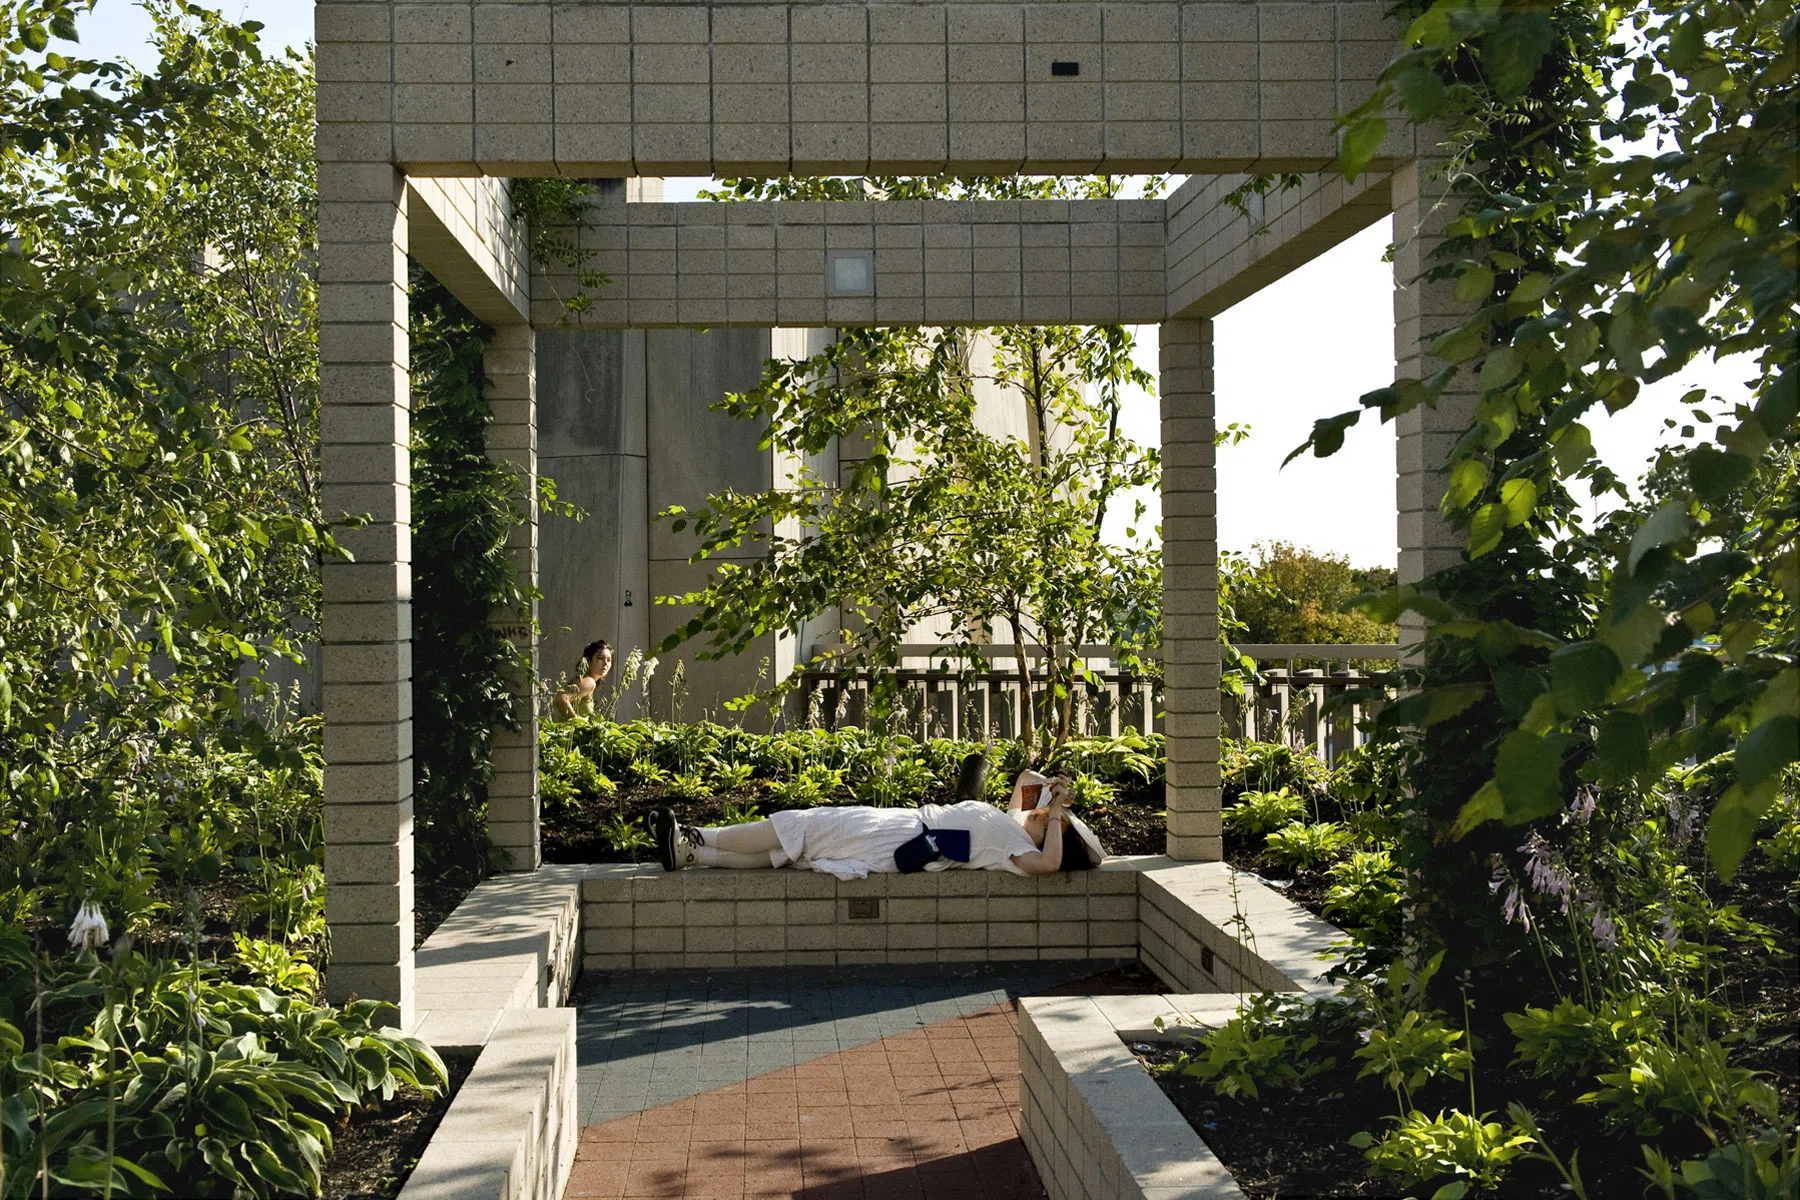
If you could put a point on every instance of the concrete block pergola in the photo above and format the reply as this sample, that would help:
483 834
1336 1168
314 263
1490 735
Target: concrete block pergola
426 106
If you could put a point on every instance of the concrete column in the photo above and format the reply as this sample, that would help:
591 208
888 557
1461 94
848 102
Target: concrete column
1190 591
1423 309
511 369
366 636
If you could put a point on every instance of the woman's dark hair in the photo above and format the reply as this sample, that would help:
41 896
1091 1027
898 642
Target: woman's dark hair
1076 855
590 655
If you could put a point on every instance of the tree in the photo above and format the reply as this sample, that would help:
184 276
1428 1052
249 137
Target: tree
1634 208
1292 596
931 516
158 511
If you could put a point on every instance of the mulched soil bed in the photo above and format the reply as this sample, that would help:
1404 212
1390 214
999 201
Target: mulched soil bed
372 1156
1131 823
435 896
1295 1143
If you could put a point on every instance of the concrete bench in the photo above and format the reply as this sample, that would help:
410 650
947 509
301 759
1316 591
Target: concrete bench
638 916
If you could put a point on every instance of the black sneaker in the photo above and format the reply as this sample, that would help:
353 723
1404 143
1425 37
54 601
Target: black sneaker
677 845
971 777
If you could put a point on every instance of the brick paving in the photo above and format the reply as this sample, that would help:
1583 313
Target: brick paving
898 1082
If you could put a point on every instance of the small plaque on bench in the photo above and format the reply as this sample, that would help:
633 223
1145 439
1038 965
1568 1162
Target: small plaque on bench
865 908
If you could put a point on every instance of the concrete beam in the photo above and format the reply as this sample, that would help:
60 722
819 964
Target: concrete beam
463 232
465 87
1218 255
929 262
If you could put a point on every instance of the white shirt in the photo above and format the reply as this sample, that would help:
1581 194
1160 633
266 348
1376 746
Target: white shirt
994 837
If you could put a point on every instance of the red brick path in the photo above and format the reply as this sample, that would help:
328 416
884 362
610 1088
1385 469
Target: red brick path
931 1115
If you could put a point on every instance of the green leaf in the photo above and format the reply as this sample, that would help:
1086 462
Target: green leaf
1466 480
1447 702
1635 637
1528 772
1623 745
1581 676
1474 284
1327 436
1361 140
1499 368
1766 749
1513 53
1519 498
1487 804
1573 446
1531 289
1733 825
1667 524
1459 344
1421 92
1485 529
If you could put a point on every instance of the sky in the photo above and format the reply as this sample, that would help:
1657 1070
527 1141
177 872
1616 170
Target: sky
1303 348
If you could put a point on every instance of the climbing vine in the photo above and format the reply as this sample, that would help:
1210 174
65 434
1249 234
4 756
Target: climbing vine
463 506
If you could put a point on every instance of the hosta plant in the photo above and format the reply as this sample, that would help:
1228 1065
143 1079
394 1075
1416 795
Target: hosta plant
1258 813
1301 847
1468 1149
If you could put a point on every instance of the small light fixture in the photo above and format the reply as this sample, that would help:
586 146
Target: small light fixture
1064 66
849 273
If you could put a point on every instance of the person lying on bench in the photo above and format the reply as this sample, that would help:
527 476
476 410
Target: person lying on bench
1036 835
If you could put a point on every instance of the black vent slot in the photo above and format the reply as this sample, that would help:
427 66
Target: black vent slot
1063 66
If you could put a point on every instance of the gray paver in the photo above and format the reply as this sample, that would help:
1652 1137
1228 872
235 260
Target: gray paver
647 1038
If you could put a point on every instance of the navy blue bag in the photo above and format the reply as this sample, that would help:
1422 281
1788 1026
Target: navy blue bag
931 845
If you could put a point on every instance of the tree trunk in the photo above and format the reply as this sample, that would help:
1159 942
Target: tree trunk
1027 717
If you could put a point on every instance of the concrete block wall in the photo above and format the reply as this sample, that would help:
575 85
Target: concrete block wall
634 917
492 979
1097 1126
510 370
1217 256
1424 308
510 1133
1191 654
366 630
923 87
1208 928
937 261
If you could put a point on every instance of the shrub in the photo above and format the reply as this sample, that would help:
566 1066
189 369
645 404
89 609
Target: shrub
181 1080
1301 847
1257 813
1409 1052
690 785
1134 757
